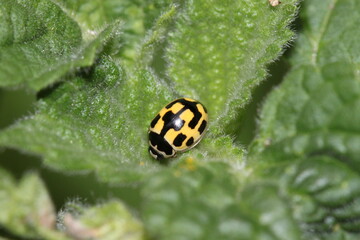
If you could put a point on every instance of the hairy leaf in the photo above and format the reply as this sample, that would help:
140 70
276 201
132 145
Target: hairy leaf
96 122
219 51
137 16
151 52
310 124
198 201
323 193
326 196
315 109
301 180
26 208
39 43
107 221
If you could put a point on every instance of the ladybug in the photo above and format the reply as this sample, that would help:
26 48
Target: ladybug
178 127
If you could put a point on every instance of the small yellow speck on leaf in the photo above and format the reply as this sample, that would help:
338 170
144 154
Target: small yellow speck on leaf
177 173
189 164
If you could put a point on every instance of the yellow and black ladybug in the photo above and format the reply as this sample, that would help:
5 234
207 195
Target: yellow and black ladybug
178 127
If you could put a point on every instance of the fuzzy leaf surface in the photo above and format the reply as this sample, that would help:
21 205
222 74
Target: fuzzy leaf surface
40 43
324 194
96 122
137 18
107 221
139 15
198 201
219 50
26 208
311 122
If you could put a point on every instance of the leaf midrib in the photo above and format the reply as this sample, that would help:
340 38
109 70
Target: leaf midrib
323 28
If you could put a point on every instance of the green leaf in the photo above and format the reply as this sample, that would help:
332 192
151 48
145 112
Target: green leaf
268 210
36 48
137 16
323 193
309 126
199 201
108 221
329 192
96 122
151 52
301 180
315 111
26 208
219 51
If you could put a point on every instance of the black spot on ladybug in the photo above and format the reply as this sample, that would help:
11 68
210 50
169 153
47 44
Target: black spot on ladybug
155 120
197 115
190 141
179 140
156 153
204 109
162 145
173 121
171 104
202 127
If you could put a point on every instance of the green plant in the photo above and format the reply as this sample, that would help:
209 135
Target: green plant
102 69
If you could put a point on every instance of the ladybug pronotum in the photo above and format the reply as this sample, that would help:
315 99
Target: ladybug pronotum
178 127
